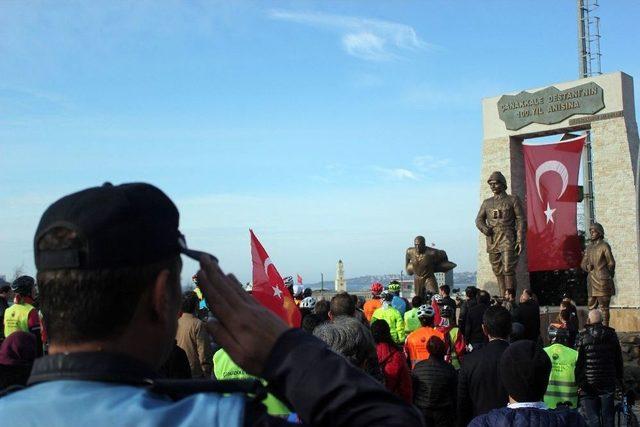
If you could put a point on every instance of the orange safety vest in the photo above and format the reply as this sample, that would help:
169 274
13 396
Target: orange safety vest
416 345
371 306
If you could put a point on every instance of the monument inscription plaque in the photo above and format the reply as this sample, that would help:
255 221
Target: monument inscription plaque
549 105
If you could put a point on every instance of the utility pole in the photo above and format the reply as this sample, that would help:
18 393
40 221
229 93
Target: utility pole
588 59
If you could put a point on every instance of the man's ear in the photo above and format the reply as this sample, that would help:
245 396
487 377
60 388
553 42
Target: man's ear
161 296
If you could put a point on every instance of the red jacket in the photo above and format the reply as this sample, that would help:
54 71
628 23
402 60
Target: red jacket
396 371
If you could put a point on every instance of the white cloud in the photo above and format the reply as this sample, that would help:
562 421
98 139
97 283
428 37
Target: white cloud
431 163
368 39
398 173
366 45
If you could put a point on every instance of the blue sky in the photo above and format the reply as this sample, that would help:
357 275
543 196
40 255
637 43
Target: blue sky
335 129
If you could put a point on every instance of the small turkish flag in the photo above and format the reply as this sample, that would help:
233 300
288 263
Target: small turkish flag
552 194
269 288
299 279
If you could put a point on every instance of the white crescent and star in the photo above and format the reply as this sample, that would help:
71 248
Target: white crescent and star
277 292
561 170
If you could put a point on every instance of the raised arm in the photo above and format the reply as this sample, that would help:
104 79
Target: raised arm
321 386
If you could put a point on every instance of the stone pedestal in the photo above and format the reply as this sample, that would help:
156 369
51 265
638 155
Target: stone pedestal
614 137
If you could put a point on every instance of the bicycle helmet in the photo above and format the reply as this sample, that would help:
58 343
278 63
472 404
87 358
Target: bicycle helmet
308 302
376 288
23 285
288 281
558 335
426 311
394 287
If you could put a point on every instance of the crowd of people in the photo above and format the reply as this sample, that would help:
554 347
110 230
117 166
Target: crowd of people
109 327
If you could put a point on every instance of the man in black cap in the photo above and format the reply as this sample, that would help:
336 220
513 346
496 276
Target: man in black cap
108 261
524 373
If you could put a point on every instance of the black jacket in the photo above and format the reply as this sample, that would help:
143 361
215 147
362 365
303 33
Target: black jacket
464 310
434 385
479 387
526 417
599 362
528 314
473 324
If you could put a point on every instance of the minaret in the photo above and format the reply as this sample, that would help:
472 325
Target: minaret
341 284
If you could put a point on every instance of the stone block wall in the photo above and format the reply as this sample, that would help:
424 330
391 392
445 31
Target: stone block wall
612 147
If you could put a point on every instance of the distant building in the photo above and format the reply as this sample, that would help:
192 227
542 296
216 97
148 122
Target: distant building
340 283
445 278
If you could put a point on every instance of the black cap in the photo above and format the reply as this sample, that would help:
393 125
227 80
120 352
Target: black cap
118 226
524 370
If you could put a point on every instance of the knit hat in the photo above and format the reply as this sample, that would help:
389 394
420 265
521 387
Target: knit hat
524 370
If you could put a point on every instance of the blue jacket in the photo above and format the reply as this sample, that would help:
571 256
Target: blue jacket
97 404
525 417
98 389
399 304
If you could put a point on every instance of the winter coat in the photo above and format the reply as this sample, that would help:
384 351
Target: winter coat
473 324
394 367
599 362
525 417
434 385
528 313
464 310
480 388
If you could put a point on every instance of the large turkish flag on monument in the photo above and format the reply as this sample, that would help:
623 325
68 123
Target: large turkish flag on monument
269 288
552 194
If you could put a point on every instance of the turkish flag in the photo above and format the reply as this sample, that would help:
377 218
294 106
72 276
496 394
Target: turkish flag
552 197
269 288
299 279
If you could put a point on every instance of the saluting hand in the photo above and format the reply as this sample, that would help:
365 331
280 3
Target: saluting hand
244 328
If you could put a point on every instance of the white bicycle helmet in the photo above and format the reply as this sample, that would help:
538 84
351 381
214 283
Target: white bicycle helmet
426 311
308 302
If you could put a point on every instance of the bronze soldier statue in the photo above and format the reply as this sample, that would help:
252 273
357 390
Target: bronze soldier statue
422 262
501 220
600 266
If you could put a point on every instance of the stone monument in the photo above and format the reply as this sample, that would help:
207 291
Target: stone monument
603 105
422 262
340 283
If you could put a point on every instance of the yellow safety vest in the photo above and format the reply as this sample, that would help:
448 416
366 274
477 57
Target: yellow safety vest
16 318
224 368
562 380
